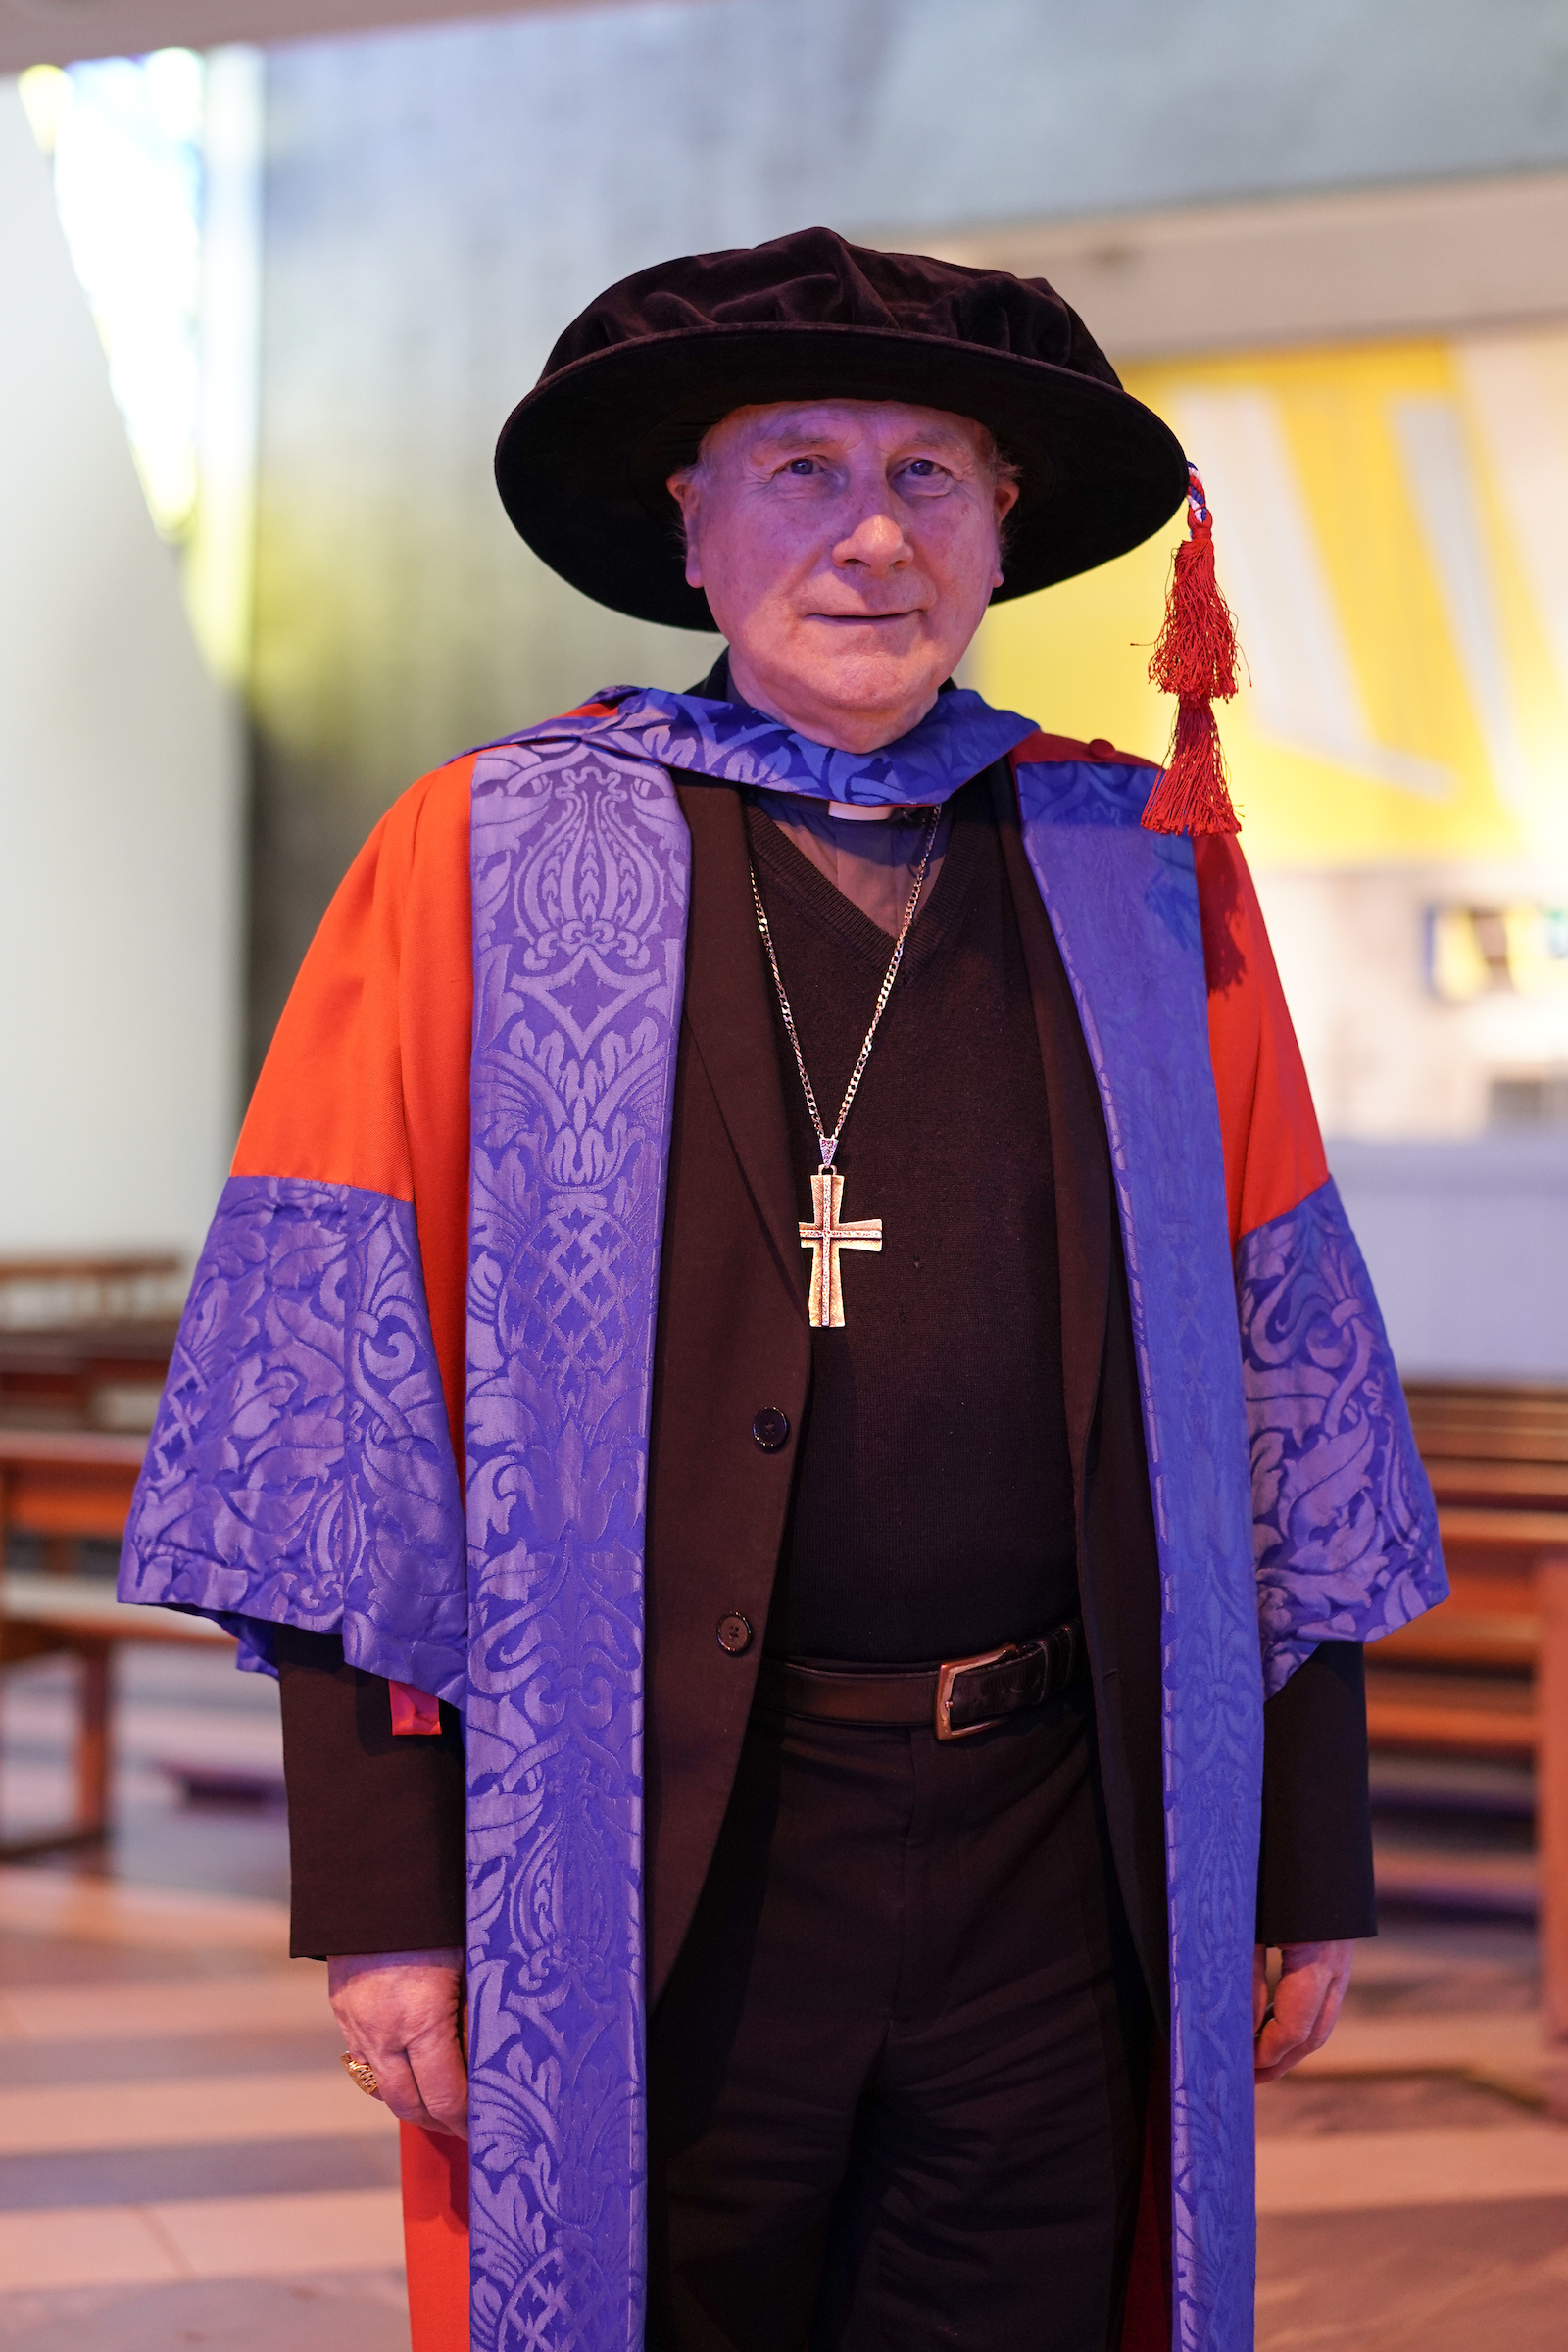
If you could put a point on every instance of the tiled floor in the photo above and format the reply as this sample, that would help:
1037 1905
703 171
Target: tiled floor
183 2163
1412 2186
181 2159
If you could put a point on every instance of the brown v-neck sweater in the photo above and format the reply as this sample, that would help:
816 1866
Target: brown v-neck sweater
931 1514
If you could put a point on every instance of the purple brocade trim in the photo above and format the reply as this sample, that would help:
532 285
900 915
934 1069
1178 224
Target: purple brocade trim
300 1470
1085 792
1345 1525
958 736
580 870
1124 906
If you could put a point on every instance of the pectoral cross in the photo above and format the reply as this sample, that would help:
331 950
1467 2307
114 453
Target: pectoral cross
825 1237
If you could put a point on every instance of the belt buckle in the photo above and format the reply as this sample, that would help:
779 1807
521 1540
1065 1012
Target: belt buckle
947 1675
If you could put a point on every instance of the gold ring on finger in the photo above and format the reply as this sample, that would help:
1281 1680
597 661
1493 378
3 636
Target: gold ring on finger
362 2072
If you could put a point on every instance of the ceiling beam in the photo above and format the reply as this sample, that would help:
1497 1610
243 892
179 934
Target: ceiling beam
1373 261
58 32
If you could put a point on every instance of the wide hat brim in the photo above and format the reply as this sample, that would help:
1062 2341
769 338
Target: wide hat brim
581 462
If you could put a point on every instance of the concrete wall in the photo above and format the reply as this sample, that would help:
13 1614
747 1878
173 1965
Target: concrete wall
440 203
1465 1243
120 770
1387 1058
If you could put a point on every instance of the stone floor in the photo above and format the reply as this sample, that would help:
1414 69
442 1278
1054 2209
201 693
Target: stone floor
182 2162
1412 2185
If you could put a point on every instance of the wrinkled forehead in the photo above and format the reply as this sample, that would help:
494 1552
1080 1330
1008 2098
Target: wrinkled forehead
786 425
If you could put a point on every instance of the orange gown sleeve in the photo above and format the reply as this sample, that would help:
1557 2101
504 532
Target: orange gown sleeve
366 1084
367 1081
1273 1151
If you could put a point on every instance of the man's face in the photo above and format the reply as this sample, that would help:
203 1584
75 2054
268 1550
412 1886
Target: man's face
848 549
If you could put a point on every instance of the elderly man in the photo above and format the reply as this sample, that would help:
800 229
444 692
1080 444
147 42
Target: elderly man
803 1145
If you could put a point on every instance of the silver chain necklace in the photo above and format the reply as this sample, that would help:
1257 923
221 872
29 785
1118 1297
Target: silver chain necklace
826 1235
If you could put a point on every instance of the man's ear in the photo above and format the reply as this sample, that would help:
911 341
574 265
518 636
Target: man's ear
683 490
1007 496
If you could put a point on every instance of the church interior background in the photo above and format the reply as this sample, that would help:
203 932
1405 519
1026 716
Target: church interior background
267 299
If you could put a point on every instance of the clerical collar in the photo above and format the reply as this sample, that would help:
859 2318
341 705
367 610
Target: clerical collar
730 742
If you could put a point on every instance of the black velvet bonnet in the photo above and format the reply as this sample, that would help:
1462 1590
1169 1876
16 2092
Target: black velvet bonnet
634 382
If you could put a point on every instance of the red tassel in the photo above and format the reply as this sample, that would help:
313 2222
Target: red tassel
1193 796
1194 659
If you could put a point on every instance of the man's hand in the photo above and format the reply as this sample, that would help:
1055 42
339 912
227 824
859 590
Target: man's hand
1312 1982
399 2011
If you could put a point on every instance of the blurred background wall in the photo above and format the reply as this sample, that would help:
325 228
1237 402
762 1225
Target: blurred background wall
1329 243
440 203
121 795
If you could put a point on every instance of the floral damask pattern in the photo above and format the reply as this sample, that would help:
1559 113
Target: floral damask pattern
959 735
1343 1522
580 866
1085 793
300 1470
1123 903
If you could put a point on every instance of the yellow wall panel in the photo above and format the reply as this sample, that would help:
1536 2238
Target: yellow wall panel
1404 623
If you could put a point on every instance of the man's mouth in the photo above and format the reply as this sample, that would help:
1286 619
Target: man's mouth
859 619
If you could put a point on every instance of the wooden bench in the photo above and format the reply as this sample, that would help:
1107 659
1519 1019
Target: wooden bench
1464 1681
96 1376
63 1485
1486 1676
60 1293
45 1616
85 1342
1512 1421
1498 1458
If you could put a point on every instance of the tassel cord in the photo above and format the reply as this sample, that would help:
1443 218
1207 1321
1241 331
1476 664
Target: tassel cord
1194 659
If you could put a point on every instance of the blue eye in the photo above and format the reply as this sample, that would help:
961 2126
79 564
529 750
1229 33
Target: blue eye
801 466
923 467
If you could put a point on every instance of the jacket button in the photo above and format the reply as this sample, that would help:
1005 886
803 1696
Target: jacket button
770 1428
734 1634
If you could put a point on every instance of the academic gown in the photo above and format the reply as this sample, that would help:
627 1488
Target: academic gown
432 1251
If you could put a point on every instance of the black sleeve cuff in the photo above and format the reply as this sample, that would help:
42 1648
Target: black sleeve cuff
1315 1873
376 1822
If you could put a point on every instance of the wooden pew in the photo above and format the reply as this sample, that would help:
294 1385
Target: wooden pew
85 1342
45 1616
1462 1679
94 1376
1486 1677
59 1294
66 1484
63 1485
1497 1421
1498 1458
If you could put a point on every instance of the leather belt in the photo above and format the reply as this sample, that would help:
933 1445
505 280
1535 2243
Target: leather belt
957 1698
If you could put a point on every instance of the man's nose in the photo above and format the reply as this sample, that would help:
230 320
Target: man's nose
876 544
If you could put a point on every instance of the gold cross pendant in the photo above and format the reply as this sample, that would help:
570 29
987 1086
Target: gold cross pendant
825 1237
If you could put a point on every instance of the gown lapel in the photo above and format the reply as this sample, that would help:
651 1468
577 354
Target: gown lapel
1079 1153
729 1013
